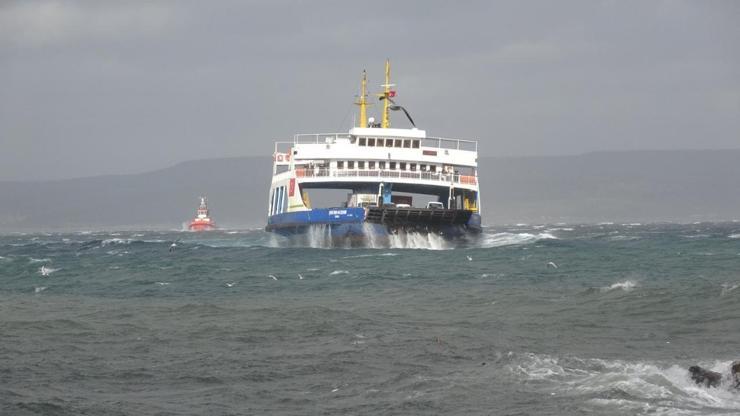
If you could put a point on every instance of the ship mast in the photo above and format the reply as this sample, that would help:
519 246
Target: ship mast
386 94
362 101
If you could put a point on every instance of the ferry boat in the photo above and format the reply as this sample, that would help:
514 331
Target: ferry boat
397 179
202 222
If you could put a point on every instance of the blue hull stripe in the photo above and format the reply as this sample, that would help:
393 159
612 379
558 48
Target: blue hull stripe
317 216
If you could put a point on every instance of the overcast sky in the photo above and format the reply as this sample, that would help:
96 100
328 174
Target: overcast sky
97 87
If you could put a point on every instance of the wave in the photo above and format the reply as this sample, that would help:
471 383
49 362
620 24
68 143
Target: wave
337 272
47 271
728 287
35 260
626 286
734 236
507 239
631 387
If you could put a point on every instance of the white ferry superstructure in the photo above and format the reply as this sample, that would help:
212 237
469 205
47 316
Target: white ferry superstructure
383 169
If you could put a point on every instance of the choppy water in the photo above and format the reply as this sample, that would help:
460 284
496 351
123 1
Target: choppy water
547 320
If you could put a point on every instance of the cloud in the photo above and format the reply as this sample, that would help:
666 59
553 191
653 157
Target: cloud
52 23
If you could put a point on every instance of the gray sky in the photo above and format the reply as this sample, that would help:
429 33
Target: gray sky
97 87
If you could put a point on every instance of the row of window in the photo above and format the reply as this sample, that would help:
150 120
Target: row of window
278 201
381 142
372 165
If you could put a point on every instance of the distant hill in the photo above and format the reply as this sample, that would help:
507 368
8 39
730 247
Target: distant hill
645 186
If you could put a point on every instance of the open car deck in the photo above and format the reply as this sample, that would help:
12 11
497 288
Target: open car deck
417 217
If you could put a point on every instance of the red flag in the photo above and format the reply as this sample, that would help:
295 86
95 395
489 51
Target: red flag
391 93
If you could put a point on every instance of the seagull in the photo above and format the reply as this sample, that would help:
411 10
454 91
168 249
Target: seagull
44 271
469 258
300 276
273 276
230 284
552 264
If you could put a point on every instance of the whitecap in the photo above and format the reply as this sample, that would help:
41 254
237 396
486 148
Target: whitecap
115 241
507 239
39 289
734 236
34 260
46 271
336 272
728 287
624 238
626 286
664 389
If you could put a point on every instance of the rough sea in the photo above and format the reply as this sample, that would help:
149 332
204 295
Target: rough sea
526 320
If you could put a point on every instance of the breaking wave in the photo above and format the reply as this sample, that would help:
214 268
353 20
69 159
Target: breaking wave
632 387
507 239
626 286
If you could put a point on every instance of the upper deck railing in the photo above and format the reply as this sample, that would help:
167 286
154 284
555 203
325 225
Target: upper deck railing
375 173
433 142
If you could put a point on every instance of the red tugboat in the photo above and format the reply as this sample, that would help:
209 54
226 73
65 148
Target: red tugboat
202 222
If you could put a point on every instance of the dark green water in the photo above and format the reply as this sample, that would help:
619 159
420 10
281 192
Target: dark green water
547 320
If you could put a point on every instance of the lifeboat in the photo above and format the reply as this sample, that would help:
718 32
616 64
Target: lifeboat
202 222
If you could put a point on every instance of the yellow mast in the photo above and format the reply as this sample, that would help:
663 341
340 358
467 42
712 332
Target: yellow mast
386 93
362 101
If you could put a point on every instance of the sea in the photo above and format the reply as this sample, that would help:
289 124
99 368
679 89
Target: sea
559 319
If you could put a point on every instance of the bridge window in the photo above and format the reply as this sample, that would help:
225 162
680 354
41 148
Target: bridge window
340 164
371 165
362 141
380 142
398 143
432 168
412 167
351 164
415 144
407 143
392 165
381 165
402 166
371 141
361 164
388 142
423 168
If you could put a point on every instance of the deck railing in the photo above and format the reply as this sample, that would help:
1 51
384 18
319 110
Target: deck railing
356 173
430 142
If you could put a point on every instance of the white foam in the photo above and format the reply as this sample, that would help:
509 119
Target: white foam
39 289
418 240
47 271
359 256
507 239
33 260
663 389
728 287
734 236
626 286
624 238
336 272
115 241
